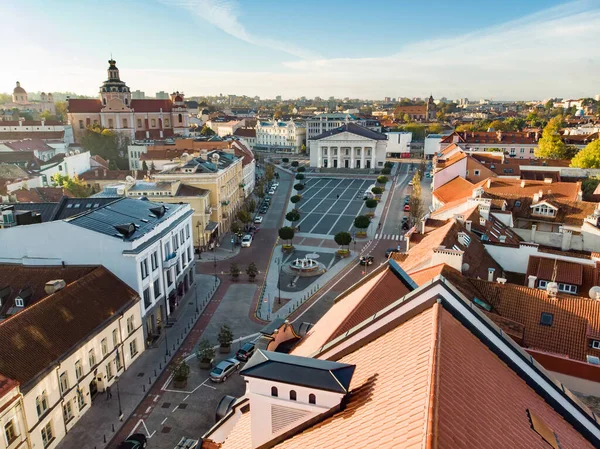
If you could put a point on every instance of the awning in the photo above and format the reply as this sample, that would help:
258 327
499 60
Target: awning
211 226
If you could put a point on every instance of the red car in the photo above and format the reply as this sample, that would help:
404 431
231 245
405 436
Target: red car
407 208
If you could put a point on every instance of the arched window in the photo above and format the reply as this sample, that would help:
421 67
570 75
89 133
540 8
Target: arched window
274 392
104 101
180 117
126 101
312 399
292 395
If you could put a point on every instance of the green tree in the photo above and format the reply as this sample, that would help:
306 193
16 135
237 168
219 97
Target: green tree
73 184
406 118
514 124
207 131
252 271
144 166
370 204
434 128
225 337
234 271
389 165
244 216
417 207
377 190
303 149
269 172
299 176
293 216
589 157
386 171
298 187
285 160
251 205
277 115
343 238
5 98
295 163
236 227
105 143
301 169
362 222
295 198
205 352
61 110
382 179
588 187
47 115
551 145
287 233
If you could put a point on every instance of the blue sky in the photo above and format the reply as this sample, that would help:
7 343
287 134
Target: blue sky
510 49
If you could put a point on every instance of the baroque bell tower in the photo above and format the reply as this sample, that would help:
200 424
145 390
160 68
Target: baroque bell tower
113 87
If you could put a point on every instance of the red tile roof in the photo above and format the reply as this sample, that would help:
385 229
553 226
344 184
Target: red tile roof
411 110
102 174
39 336
19 135
6 385
456 189
166 153
82 105
41 195
245 132
29 145
151 105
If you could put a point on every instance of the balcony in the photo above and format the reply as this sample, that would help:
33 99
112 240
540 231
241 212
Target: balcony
170 260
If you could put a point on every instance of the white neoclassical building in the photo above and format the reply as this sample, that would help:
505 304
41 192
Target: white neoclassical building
349 146
280 136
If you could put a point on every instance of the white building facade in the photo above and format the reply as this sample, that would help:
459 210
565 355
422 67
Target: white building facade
147 245
280 136
350 146
326 122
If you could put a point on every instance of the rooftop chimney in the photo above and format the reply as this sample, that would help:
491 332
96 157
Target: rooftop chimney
548 180
468 225
522 183
501 281
552 289
531 281
491 274
54 286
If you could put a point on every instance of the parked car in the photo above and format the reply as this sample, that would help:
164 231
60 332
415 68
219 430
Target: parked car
275 185
407 200
407 208
366 260
246 241
135 441
404 219
263 210
390 251
245 352
258 220
272 191
405 226
410 183
428 174
224 369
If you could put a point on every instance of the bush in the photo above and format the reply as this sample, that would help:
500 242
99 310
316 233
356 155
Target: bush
234 271
299 176
285 160
386 171
293 215
180 370
382 179
301 169
295 163
298 187
362 222
370 204
296 198
205 352
388 165
225 336
343 238
377 190
286 233
252 271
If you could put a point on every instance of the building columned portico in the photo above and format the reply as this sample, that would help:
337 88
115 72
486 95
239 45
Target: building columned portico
349 146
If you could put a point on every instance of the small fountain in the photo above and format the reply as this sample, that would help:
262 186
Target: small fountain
305 267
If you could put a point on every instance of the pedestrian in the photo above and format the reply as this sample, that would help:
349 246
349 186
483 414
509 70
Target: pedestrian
108 393
379 225
338 196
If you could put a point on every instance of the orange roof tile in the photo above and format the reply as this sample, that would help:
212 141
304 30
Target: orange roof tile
456 189
511 188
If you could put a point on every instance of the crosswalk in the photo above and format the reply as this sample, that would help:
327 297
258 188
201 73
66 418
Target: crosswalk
388 236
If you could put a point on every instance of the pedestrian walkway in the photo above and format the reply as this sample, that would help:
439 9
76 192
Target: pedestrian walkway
99 424
388 236
225 250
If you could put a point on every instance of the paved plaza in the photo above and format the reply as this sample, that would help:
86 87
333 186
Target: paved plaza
330 205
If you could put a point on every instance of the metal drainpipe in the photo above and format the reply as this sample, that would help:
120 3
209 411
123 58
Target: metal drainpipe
61 397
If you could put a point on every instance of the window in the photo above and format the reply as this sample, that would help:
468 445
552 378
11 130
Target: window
104 346
546 319
477 172
125 122
67 411
110 123
312 399
153 123
190 255
292 395
157 291
78 370
92 358
64 382
167 123
144 268
187 232
115 335
182 236
544 210
47 436
595 344
109 373
522 150
10 432
147 299
154 260
180 118
60 168
139 123
540 426
81 126
169 277
567 288
130 326
41 403
274 392
118 363
80 399
133 348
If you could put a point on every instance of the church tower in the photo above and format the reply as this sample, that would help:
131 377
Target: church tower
113 87
431 109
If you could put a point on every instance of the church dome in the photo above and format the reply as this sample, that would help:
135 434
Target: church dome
19 89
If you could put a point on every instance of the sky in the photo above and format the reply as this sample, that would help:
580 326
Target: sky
505 50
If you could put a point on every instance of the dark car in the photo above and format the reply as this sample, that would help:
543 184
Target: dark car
390 251
405 219
263 210
366 260
405 225
135 441
406 201
245 352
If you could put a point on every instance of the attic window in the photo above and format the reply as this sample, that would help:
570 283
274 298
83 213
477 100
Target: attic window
543 430
517 203
546 319
274 392
19 302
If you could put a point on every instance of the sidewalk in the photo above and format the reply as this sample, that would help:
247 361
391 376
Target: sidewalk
223 252
98 425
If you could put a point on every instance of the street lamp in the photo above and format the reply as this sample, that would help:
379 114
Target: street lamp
196 296
215 261
119 399
279 280
167 353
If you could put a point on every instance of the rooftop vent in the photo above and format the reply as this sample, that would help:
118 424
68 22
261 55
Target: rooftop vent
126 230
158 211
54 286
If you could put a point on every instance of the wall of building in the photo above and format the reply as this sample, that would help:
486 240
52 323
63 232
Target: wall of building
398 142
447 174
12 410
432 146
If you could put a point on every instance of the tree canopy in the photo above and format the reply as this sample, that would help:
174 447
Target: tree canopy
343 238
295 198
589 157
207 131
105 143
362 222
551 145
298 187
73 184
299 176
286 233
244 216
293 215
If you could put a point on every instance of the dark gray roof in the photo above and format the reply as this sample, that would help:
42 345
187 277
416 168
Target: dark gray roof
65 208
354 129
124 211
301 371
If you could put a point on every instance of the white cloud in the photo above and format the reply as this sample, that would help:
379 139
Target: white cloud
224 15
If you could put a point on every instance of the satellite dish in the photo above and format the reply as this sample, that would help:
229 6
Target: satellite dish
595 292
129 179
465 267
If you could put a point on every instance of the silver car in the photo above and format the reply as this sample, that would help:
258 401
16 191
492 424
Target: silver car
224 369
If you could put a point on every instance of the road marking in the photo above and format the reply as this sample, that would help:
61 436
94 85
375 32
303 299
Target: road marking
326 213
346 208
148 434
156 398
174 409
148 409
186 397
164 420
313 209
